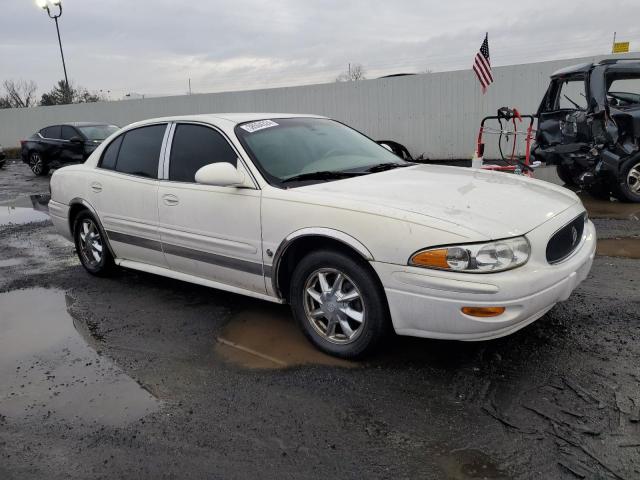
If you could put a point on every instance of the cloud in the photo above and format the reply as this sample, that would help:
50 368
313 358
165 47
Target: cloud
154 46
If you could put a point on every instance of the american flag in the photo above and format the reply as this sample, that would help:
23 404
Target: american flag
482 65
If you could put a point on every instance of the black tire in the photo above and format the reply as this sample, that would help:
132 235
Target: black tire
599 190
87 249
564 172
37 165
628 187
371 304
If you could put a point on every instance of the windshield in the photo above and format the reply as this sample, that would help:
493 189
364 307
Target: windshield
287 148
98 132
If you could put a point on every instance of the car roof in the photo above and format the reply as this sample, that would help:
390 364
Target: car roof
572 69
79 124
234 118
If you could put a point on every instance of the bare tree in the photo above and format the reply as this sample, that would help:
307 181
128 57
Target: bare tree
354 73
18 94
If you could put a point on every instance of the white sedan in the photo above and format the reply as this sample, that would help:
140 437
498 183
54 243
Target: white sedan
305 210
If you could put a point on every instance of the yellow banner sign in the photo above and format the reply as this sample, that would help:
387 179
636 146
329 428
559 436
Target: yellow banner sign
620 47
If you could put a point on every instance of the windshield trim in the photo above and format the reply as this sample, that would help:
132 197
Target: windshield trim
281 183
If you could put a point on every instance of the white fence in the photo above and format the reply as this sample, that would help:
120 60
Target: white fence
437 114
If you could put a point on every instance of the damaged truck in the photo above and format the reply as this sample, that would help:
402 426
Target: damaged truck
589 127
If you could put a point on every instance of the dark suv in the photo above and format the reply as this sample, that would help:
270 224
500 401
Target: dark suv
589 126
61 144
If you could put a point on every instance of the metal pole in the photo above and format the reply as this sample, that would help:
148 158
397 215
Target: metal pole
64 66
613 45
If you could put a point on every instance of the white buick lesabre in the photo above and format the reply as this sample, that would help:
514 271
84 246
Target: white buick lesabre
305 210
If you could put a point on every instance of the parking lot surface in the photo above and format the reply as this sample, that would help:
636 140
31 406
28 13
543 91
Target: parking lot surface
146 377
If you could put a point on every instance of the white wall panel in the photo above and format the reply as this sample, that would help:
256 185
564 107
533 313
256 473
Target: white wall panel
437 114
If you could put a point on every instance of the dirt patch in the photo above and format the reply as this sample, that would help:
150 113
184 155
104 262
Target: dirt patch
619 247
266 336
464 464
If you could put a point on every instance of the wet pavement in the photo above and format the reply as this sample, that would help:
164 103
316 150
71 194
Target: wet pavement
146 377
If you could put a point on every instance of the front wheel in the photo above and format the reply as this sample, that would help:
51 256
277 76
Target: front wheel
37 165
339 304
628 189
91 245
565 174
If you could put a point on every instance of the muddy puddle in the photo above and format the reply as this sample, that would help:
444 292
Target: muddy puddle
265 336
25 209
48 367
466 464
619 247
598 208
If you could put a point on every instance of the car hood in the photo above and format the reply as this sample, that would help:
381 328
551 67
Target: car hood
494 204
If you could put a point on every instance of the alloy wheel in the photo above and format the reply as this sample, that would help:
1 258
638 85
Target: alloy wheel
90 243
633 179
334 306
35 162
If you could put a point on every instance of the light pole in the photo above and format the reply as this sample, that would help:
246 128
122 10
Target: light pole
44 4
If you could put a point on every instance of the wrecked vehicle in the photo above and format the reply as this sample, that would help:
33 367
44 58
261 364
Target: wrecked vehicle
589 127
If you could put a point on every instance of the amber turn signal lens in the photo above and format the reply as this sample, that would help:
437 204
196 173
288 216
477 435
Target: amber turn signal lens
431 258
483 311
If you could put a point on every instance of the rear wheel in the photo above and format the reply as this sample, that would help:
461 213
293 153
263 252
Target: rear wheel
339 304
628 188
37 165
91 245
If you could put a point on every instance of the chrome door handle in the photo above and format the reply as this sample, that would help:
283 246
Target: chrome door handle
96 187
170 200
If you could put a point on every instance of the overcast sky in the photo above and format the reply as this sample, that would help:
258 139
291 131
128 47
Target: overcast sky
154 46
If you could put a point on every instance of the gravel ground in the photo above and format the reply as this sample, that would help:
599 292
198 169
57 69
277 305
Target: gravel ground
123 377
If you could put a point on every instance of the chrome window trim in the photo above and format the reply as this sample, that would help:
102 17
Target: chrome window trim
166 140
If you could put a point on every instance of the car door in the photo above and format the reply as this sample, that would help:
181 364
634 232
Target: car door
51 142
208 231
71 152
124 191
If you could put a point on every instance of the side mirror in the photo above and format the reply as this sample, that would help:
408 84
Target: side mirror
76 139
221 174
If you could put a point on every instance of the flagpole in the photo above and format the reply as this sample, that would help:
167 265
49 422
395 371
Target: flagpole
613 45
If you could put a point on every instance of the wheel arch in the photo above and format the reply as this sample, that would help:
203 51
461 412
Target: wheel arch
76 206
300 242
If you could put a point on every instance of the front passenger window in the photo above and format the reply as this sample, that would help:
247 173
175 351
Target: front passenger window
195 146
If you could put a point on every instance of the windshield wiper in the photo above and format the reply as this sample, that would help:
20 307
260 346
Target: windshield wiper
381 167
321 175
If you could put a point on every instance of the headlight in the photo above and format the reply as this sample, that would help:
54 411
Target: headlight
475 258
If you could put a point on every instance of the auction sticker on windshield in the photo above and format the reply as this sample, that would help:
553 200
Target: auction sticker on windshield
259 125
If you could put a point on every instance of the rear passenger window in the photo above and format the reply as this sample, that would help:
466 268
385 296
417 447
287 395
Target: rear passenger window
195 146
140 151
110 154
68 132
51 132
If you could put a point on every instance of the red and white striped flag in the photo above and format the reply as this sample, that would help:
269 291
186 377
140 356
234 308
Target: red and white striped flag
482 65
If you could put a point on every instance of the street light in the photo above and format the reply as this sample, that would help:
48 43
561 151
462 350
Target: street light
44 4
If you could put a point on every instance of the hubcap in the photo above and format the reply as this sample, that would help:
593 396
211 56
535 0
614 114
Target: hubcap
334 307
633 178
90 243
36 163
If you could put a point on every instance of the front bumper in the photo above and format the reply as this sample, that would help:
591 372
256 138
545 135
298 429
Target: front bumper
428 303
